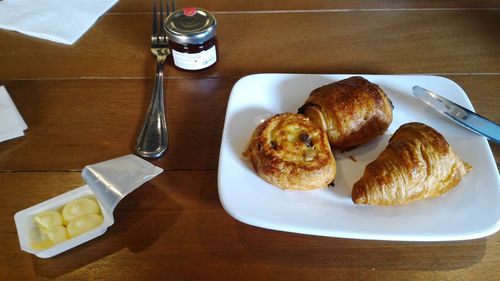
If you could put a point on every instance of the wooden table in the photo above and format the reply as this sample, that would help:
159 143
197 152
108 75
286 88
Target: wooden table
85 103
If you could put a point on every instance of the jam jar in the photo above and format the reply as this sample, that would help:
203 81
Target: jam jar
192 38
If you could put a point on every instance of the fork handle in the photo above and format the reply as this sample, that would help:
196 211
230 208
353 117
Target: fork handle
153 139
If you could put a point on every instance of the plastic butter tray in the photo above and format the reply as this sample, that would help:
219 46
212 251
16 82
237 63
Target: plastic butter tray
108 181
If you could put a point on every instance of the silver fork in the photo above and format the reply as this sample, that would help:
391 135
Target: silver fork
153 139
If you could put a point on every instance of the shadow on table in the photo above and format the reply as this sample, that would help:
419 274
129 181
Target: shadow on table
234 242
385 255
250 245
132 215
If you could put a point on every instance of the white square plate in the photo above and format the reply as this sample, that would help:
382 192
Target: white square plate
470 210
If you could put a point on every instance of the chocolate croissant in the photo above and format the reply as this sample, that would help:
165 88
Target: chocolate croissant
291 152
352 111
417 164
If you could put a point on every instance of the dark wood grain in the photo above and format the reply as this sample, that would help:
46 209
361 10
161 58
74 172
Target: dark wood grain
131 6
73 123
175 228
323 42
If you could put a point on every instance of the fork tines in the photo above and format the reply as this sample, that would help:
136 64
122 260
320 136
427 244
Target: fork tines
158 29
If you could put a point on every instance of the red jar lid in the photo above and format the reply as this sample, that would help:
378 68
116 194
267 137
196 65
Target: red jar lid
190 11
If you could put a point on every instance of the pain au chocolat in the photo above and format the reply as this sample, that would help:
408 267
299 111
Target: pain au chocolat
352 111
417 164
291 152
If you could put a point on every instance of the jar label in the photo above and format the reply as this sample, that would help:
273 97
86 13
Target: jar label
195 61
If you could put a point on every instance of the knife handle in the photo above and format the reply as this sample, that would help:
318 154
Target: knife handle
477 123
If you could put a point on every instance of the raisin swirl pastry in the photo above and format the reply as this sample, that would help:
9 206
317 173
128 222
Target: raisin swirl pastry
417 164
352 111
291 152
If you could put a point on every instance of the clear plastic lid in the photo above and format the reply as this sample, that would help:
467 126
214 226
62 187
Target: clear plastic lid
113 179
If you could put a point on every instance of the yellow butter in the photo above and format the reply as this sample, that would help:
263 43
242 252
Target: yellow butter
79 216
83 224
56 234
48 219
42 244
79 207
50 237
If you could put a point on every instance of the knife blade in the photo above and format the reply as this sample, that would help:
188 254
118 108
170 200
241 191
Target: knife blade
459 114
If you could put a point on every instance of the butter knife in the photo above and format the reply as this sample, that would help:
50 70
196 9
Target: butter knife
459 114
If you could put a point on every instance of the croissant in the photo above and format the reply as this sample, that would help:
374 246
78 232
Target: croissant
417 164
291 152
352 111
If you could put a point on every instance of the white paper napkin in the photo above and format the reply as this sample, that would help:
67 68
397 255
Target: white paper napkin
62 21
11 123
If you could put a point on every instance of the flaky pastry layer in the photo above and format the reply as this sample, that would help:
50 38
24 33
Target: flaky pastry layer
352 111
291 152
417 164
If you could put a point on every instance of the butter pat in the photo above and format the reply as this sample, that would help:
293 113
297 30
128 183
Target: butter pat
50 230
48 219
79 207
50 237
83 224
80 215
56 234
